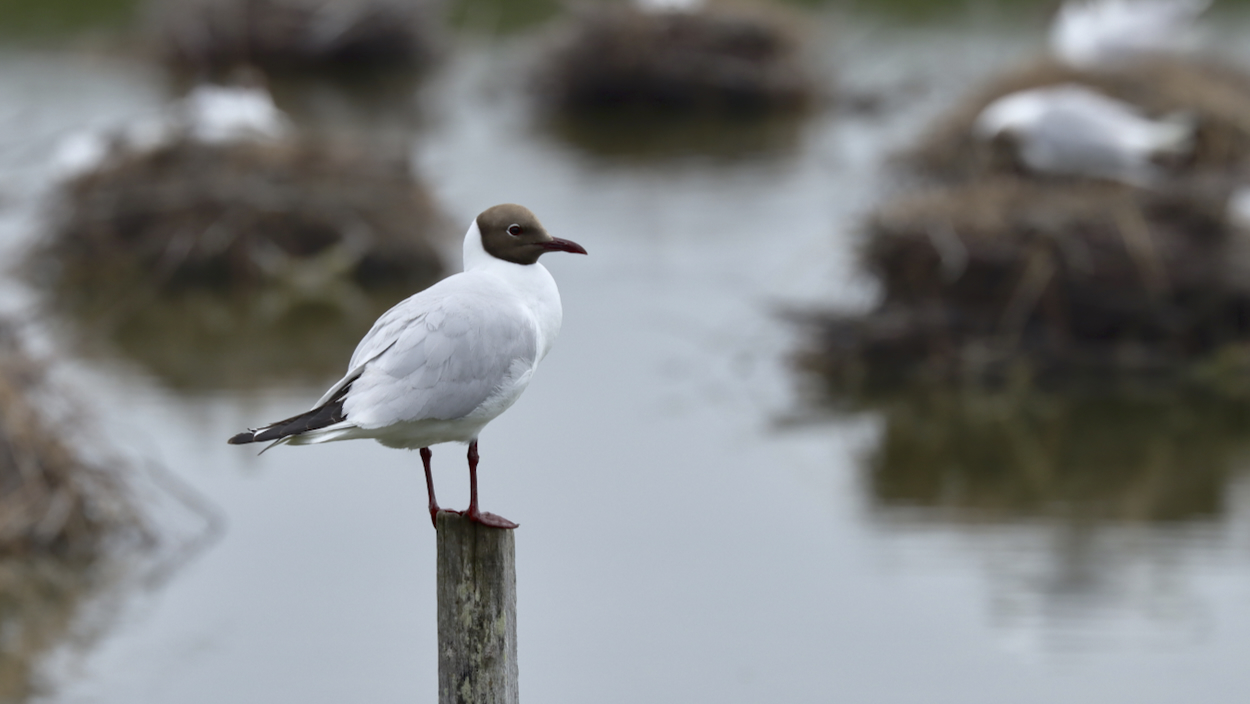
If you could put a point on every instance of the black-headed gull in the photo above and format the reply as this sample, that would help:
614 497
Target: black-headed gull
445 362
1074 130
1108 34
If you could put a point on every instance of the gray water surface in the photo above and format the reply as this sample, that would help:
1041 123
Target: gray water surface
683 538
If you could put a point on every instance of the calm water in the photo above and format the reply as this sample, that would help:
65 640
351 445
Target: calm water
691 530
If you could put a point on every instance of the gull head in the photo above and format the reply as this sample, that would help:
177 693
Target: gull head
512 233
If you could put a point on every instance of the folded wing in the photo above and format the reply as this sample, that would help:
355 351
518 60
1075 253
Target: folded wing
441 362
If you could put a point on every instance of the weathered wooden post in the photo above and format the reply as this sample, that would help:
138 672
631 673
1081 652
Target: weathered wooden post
476 613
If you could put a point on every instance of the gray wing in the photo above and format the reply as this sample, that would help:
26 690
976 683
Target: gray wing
380 338
388 328
439 359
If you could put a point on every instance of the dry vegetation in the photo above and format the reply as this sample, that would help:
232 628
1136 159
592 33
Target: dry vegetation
723 59
987 280
990 274
297 213
53 500
293 34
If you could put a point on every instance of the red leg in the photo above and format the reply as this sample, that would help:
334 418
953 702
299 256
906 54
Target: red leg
429 485
473 514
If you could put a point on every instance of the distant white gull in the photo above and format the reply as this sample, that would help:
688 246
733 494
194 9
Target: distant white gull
1070 129
445 362
216 114
209 114
1238 209
1109 34
79 153
670 6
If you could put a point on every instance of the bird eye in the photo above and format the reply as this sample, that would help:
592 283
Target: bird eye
514 230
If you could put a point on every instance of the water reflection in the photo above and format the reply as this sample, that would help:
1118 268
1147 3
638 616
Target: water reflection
977 456
46 606
502 16
1071 586
1090 514
647 137
198 341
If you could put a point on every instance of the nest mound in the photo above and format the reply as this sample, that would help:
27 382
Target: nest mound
222 34
983 280
1216 97
293 212
52 501
723 59
992 274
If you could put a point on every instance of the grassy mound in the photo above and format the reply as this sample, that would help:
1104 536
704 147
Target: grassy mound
990 279
989 273
292 34
296 213
722 59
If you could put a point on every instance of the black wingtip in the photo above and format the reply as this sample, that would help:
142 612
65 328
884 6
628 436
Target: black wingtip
319 417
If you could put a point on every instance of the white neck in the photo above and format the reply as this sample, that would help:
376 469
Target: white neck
475 254
532 282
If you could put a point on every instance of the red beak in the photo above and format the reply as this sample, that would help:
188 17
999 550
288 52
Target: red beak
558 245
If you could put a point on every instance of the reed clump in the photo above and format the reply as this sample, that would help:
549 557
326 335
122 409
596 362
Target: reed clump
54 501
986 281
295 34
718 59
292 212
990 273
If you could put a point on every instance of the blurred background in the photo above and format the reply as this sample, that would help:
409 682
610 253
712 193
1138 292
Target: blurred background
910 361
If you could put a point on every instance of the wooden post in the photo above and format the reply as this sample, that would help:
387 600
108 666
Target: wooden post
476 613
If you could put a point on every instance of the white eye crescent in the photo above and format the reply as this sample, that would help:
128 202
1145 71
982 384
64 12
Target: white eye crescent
514 230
